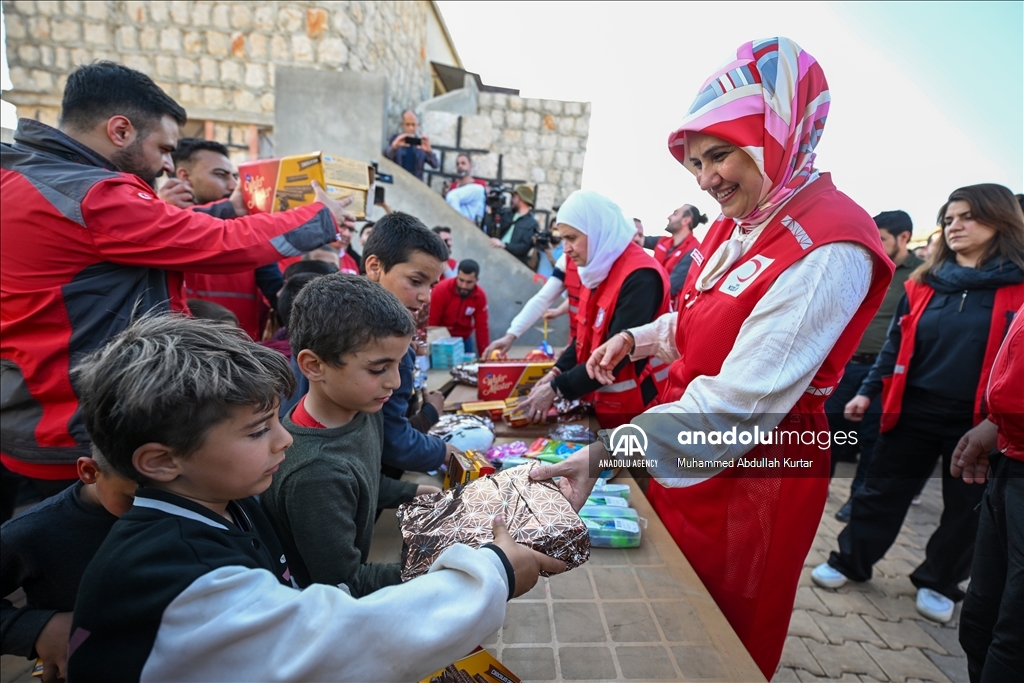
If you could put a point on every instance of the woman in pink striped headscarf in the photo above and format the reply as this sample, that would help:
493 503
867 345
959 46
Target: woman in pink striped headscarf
780 292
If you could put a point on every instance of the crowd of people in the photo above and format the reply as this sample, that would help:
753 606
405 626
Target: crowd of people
215 406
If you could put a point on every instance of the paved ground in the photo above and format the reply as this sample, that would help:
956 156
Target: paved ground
868 632
871 631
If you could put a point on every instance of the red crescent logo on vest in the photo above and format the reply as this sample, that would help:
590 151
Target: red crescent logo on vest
743 275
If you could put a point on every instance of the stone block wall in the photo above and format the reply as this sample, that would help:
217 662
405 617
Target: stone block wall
540 142
215 58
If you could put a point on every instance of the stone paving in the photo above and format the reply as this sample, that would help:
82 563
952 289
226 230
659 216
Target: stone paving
871 631
861 632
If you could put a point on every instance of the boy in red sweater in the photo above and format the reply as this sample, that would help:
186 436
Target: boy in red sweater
460 304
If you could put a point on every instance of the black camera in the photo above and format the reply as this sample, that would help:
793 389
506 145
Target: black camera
414 142
543 239
496 197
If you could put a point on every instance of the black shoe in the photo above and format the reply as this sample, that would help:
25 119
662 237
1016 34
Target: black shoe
843 515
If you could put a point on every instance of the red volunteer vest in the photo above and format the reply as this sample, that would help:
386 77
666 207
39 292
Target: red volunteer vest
1006 404
572 289
669 258
747 531
237 292
620 402
1008 300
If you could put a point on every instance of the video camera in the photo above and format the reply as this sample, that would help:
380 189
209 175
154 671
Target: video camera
497 197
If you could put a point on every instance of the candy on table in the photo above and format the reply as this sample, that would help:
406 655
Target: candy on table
503 452
612 527
601 488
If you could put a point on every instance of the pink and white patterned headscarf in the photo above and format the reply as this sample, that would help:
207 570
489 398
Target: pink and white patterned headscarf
771 101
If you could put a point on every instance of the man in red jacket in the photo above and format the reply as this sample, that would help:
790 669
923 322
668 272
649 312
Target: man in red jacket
205 180
87 246
460 304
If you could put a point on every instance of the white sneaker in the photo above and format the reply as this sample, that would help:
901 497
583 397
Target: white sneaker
935 606
827 577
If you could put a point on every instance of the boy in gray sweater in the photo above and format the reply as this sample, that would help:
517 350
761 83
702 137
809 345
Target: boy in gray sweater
348 336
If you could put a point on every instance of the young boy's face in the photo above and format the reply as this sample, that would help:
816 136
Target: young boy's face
368 377
237 459
410 281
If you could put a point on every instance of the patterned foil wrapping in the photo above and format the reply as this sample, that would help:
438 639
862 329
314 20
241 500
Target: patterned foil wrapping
572 410
536 513
453 422
465 373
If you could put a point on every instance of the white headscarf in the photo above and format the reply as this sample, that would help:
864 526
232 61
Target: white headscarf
607 229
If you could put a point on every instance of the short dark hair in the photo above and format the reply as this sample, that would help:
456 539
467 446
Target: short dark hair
894 222
464 154
291 289
369 226
188 147
397 235
438 229
469 267
341 314
316 267
209 310
95 92
169 379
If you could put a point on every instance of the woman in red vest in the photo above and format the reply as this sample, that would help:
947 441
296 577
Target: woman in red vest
932 373
990 630
621 287
783 286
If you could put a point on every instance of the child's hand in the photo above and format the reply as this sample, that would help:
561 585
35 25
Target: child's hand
436 399
426 489
527 563
52 646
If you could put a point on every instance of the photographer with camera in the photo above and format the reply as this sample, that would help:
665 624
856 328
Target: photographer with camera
518 226
409 149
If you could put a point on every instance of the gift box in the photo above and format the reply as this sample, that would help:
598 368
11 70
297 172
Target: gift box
535 512
498 380
273 185
447 353
479 667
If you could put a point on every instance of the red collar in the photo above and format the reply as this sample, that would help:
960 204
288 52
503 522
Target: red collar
302 418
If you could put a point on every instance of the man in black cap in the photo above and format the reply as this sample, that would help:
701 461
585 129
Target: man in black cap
518 238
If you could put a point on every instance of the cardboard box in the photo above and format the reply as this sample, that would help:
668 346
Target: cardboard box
273 185
479 667
466 467
498 380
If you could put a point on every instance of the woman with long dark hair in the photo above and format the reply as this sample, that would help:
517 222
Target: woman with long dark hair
932 373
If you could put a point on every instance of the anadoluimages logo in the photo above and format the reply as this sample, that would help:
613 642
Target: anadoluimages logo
628 441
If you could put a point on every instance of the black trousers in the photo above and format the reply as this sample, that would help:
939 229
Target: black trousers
990 624
903 460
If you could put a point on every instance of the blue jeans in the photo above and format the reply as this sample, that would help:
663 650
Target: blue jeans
867 429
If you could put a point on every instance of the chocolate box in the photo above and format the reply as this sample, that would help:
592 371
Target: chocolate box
273 185
479 667
466 467
498 380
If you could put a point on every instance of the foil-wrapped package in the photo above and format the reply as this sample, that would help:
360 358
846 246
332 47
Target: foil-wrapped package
453 422
465 373
536 513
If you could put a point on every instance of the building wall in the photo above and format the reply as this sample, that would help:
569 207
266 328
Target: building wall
539 142
215 58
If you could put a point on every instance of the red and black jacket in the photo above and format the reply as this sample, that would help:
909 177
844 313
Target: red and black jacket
85 248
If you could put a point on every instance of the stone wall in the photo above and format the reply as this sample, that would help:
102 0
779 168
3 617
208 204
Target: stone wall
215 58
513 139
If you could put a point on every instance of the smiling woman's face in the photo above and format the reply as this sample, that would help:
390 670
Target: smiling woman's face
725 172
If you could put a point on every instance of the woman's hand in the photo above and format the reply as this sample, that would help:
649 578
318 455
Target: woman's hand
576 481
539 401
602 362
855 409
970 457
501 345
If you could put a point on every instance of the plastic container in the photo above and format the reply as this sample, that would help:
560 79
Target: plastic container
609 501
447 353
602 488
612 527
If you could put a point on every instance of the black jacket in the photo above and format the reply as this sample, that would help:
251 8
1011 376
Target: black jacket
523 231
